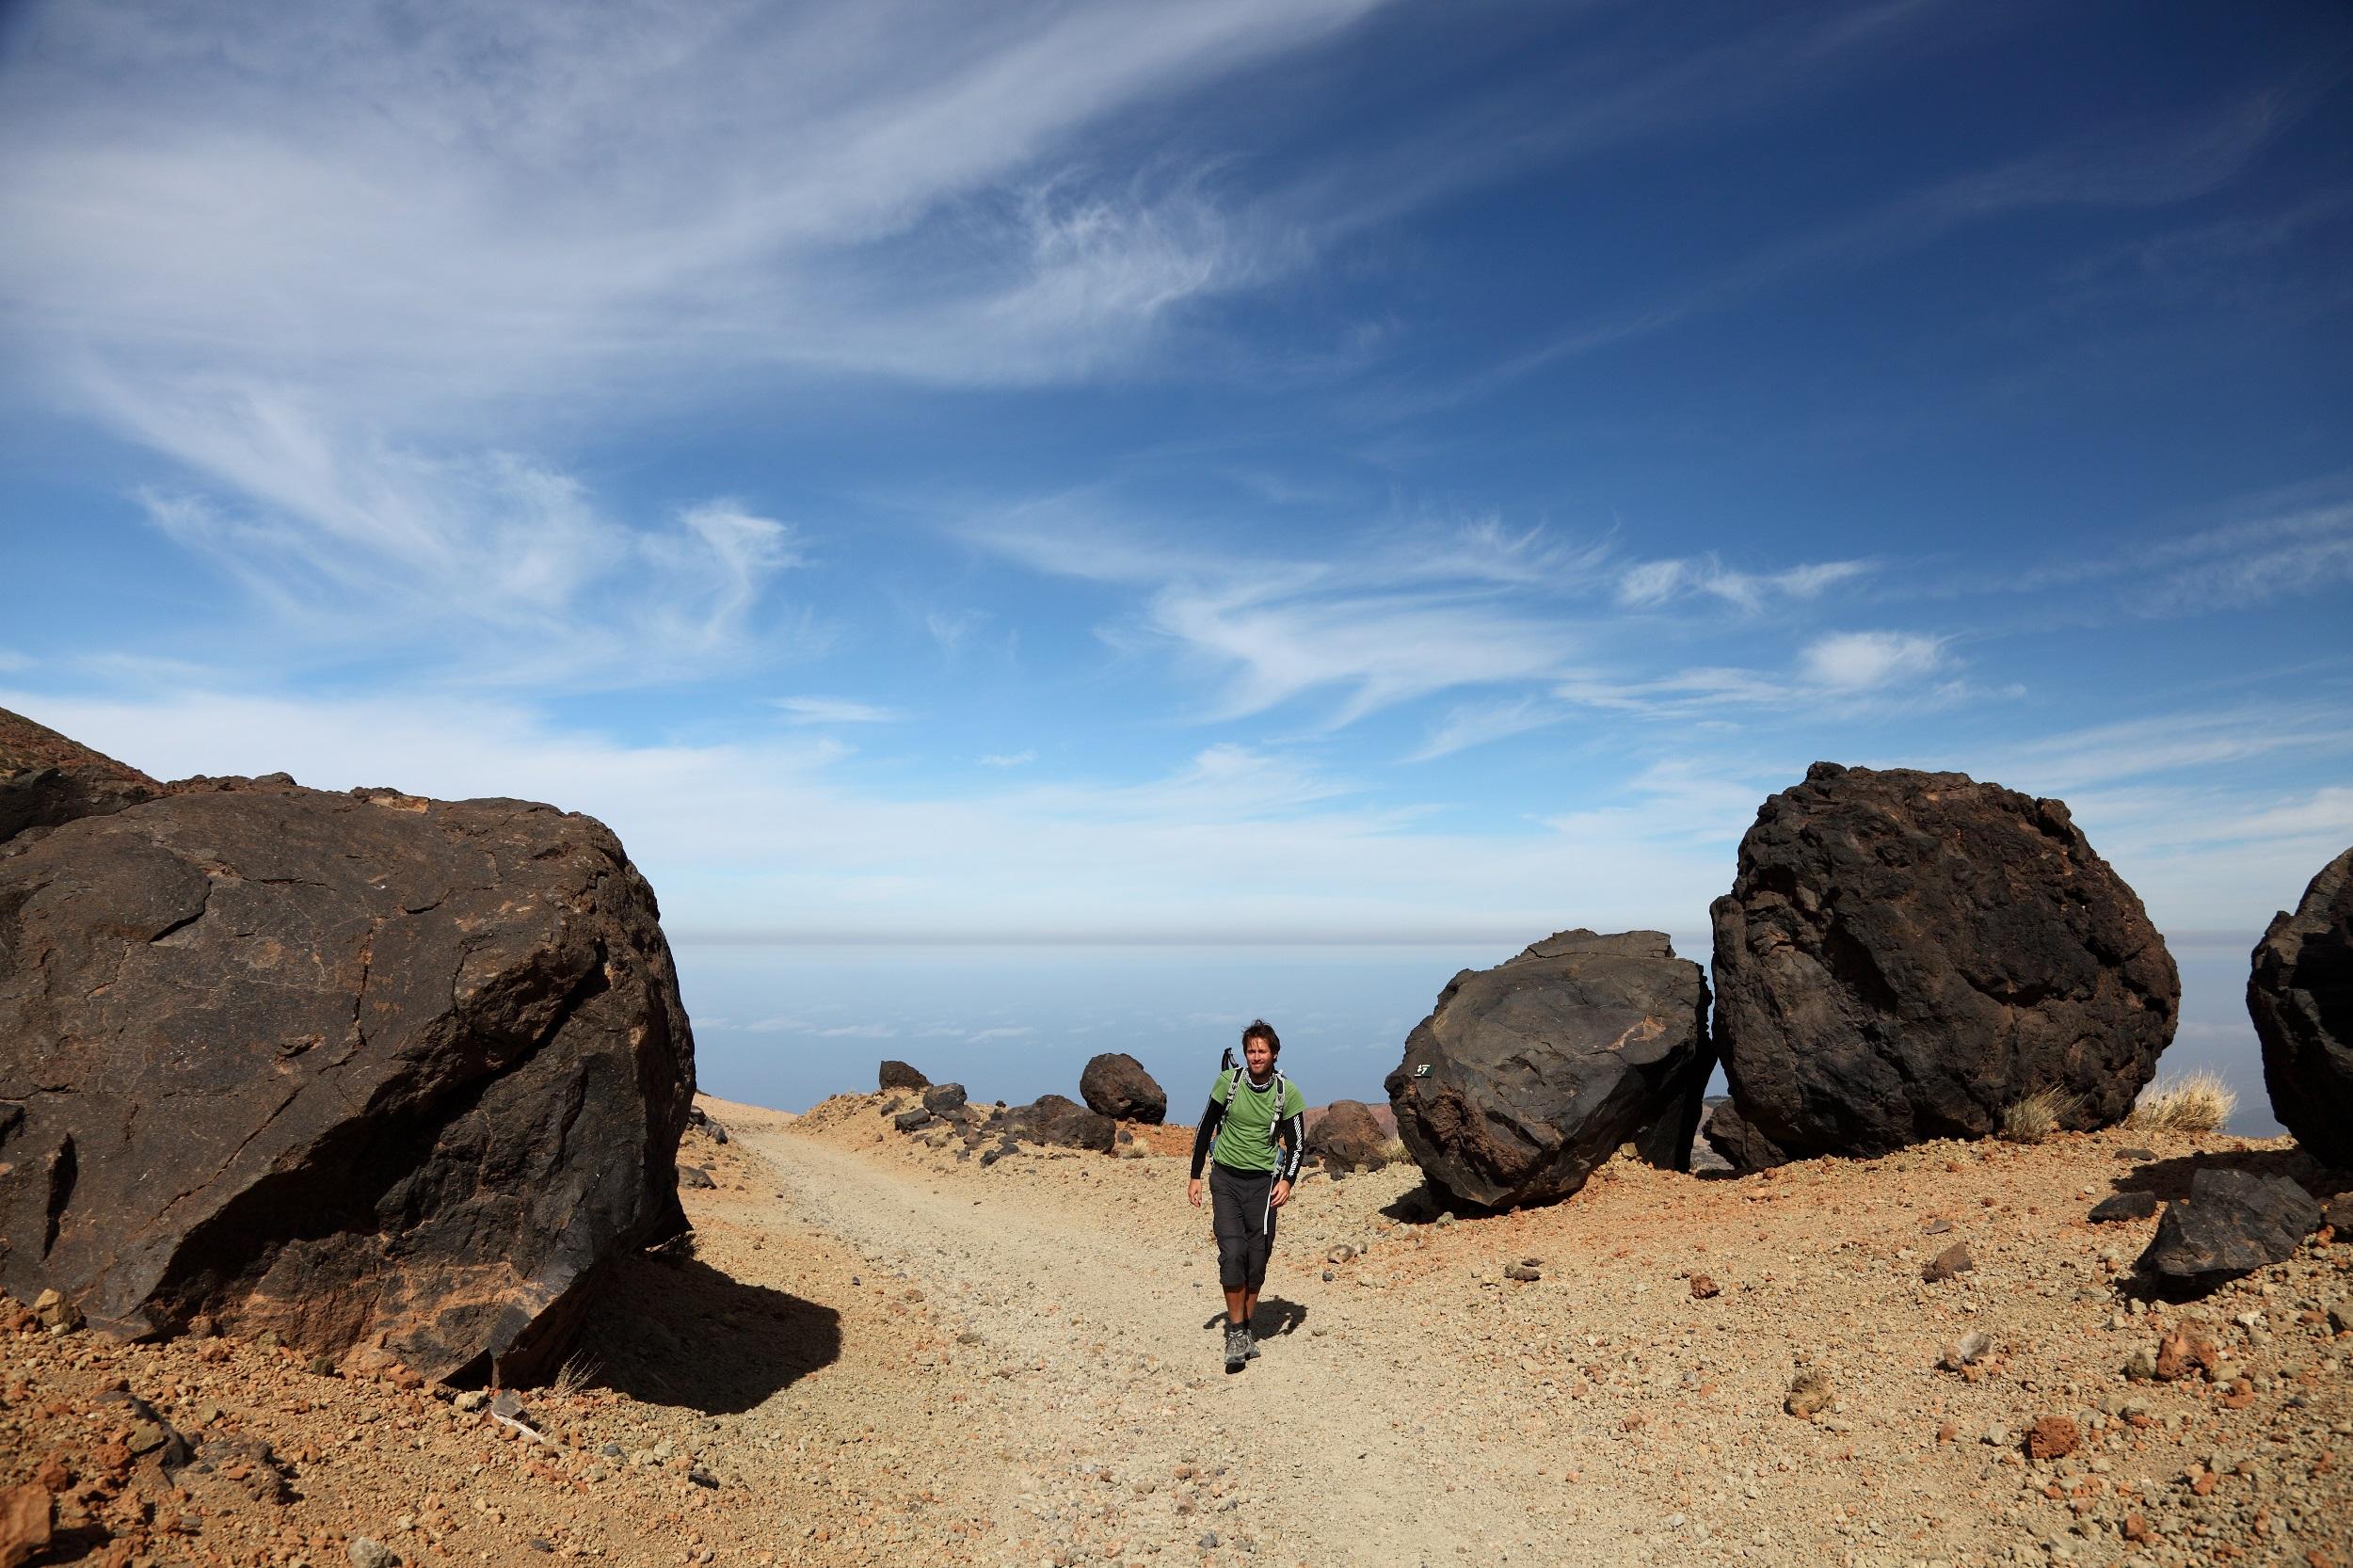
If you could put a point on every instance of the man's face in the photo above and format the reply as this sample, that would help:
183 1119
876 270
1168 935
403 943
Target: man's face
1259 1054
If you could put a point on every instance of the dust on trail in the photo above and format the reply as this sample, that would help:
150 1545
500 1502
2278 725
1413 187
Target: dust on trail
1337 1447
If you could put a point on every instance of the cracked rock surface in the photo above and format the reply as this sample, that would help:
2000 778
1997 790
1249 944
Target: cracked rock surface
351 1067
1904 956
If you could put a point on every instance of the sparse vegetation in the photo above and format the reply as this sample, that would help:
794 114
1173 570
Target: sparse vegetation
1394 1152
2200 1102
580 1372
2036 1117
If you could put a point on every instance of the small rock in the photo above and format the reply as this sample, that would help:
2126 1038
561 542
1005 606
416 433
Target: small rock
695 1179
1950 1264
703 1477
2140 1154
2141 1366
1208 1541
26 1513
1340 1254
372 1554
56 1313
1809 1394
508 1403
2340 1317
2183 1353
907 1121
1938 1226
321 1366
1521 1273
1702 1288
2052 1437
471 1401
1965 1351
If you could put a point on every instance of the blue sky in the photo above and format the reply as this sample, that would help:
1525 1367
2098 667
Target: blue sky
1326 472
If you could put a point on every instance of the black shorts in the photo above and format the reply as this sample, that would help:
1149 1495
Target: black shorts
1242 1212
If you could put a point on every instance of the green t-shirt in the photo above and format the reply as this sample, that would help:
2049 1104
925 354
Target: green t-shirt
1245 1134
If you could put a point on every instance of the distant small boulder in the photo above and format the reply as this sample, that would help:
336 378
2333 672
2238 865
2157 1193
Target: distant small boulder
898 1074
1114 1084
1349 1137
2300 996
945 1100
1052 1119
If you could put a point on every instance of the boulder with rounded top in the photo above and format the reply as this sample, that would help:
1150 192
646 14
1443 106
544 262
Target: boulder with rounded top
1114 1084
1527 1076
1907 956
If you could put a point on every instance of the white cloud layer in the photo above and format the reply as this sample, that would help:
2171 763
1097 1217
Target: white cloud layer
774 839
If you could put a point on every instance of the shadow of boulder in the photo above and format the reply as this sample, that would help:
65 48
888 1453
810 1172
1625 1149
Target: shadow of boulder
2169 1178
686 1334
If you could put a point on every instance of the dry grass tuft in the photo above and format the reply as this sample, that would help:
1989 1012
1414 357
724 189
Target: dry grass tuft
580 1372
2037 1117
2199 1103
1394 1152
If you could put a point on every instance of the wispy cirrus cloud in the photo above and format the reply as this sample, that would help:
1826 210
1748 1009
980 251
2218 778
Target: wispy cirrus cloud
1475 724
1412 613
834 710
342 272
356 538
1651 582
1863 661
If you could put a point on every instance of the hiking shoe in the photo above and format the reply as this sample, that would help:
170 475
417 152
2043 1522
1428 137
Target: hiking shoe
1237 1348
1250 1339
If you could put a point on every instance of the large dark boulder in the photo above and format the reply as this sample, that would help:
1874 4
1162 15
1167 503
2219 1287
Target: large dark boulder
1114 1084
2232 1222
46 779
1903 955
1348 1136
898 1074
1538 1069
337 1066
1052 1119
2300 995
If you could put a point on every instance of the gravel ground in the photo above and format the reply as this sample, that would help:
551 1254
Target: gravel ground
883 1352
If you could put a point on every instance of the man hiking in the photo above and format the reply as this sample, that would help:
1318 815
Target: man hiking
1252 1109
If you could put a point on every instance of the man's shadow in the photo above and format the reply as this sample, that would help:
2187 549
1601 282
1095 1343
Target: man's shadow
1274 1316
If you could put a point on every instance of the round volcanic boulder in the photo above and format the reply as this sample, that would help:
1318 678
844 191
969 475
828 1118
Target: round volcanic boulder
1052 1119
1349 1135
1114 1084
1527 1076
1903 955
2300 995
360 1069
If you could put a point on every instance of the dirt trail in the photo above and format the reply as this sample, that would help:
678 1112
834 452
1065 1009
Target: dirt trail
1324 1444
879 1353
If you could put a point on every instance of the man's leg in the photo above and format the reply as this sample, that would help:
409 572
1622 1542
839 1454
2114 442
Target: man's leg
1239 1303
1227 1219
